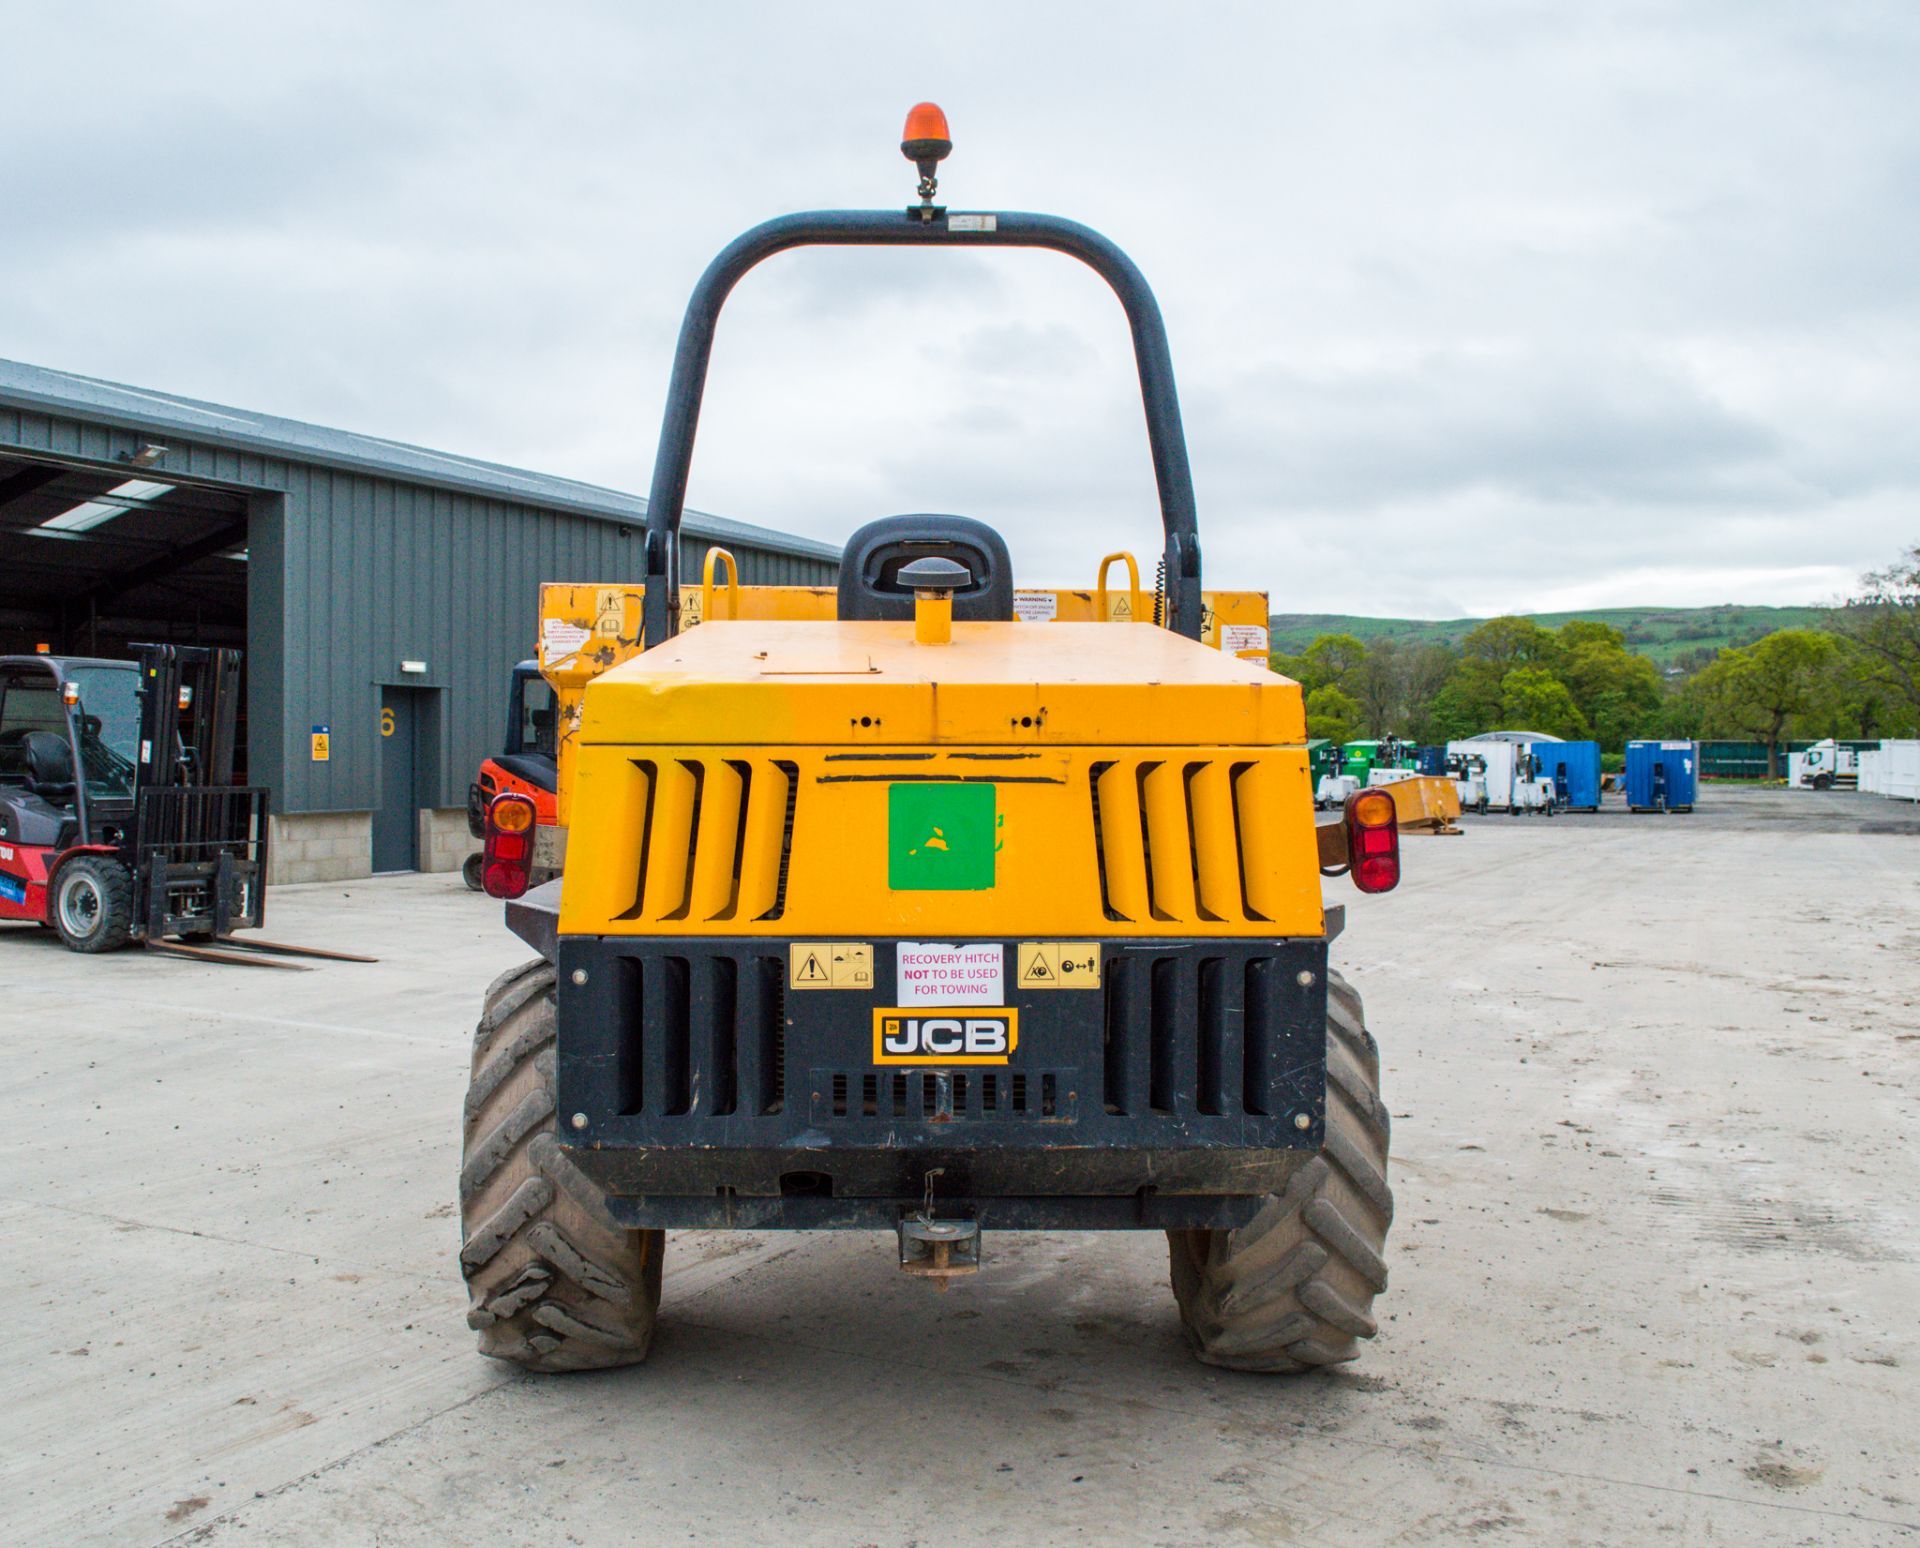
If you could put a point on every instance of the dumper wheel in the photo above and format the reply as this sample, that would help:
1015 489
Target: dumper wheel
92 904
556 1284
1293 1289
471 870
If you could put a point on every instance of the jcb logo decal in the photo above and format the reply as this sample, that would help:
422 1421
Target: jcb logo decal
985 1036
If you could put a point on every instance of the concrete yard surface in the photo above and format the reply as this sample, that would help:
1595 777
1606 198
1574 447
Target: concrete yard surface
1654 1264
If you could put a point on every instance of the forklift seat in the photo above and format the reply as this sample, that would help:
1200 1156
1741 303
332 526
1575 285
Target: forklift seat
40 760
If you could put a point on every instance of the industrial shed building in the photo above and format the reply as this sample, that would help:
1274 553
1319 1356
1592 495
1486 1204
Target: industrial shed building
382 592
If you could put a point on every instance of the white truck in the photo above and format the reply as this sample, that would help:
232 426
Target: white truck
1823 766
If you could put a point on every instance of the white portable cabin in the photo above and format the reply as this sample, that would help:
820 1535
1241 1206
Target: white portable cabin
1899 770
1503 752
1498 756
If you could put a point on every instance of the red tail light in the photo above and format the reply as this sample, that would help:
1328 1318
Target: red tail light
506 864
1373 840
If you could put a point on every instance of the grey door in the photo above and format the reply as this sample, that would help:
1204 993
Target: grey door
396 821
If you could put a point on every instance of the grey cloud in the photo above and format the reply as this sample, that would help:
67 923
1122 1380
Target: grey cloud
1553 431
1529 296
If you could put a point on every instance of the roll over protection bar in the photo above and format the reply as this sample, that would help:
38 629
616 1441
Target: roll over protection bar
666 500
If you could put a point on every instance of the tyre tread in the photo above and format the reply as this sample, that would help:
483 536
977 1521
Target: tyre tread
555 1283
116 904
1293 1289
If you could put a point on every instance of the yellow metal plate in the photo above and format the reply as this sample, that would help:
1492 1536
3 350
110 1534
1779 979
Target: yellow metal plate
1075 684
830 965
1191 840
1057 965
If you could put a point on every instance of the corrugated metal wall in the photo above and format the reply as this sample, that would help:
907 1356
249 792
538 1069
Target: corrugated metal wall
349 574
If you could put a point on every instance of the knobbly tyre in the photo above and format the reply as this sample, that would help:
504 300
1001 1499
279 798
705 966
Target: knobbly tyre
921 918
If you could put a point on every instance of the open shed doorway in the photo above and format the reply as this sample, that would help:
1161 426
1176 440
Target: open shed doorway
94 560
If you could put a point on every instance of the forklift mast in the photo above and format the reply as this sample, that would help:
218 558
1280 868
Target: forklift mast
189 708
198 841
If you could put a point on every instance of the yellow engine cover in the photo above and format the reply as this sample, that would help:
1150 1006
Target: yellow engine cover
795 779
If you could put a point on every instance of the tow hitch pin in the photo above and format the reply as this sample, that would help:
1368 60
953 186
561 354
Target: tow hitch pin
938 1250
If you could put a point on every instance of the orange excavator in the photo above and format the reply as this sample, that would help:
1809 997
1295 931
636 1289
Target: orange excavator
525 765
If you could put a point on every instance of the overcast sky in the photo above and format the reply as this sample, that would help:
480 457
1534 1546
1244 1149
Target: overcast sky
1475 307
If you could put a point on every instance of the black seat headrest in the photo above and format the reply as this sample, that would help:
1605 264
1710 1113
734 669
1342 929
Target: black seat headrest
49 762
870 566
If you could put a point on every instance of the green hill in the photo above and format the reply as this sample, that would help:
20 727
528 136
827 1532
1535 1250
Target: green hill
1662 633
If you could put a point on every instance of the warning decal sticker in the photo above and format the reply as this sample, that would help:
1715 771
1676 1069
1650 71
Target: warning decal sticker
560 639
1057 965
950 973
830 965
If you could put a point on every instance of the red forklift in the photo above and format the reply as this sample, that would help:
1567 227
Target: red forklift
526 765
119 820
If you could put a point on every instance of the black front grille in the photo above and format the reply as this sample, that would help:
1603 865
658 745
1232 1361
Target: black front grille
698 1035
945 1096
1191 1033
674 1044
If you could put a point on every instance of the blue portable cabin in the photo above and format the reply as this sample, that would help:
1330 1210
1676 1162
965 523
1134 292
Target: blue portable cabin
1431 760
1574 768
1662 776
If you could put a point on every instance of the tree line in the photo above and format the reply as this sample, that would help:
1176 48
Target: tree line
1856 677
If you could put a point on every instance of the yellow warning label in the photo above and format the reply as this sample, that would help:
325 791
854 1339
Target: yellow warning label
609 612
1057 965
830 965
852 966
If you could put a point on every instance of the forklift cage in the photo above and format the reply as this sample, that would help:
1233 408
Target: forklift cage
202 857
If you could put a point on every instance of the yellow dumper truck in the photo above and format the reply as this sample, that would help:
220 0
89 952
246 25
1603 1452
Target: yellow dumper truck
888 910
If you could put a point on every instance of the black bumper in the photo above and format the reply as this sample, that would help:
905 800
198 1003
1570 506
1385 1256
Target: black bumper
696 1088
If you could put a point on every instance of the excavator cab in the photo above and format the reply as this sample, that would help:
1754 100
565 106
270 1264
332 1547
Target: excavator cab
525 765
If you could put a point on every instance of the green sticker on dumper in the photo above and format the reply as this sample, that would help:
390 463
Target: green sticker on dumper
940 838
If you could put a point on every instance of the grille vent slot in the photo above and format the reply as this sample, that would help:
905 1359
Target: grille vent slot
717 839
945 1096
1191 1038
1181 841
702 1036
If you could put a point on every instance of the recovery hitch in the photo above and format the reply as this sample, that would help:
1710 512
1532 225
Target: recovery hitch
938 1250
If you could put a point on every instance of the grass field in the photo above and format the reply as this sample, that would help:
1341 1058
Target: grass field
1660 632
